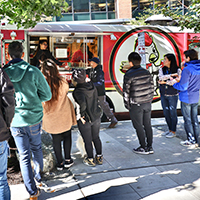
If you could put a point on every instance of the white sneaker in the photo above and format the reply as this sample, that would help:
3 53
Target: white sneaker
165 133
170 135
186 143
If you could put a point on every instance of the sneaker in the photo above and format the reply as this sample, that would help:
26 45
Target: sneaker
112 124
165 133
99 160
186 143
35 196
68 163
60 167
170 135
89 162
150 150
140 150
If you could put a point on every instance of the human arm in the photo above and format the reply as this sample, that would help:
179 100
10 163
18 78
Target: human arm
79 97
163 77
43 89
7 98
183 83
126 93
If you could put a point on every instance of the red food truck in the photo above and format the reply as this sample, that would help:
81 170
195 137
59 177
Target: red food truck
111 43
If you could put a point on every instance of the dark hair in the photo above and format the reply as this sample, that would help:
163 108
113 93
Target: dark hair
192 54
15 49
173 65
135 58
38 47
51 73
43 57
79 75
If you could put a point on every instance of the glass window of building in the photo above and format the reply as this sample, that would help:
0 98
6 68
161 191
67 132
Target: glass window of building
98 5
160 3
69 9
81 6
111 5
145 4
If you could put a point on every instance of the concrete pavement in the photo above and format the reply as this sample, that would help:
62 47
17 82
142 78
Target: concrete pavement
172 172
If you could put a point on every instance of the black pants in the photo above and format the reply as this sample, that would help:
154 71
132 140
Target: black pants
141 120
90 133
67 143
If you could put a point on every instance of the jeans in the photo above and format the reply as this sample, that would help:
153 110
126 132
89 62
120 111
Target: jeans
4 188
191 124
28 142
169 105
90 133
66 137
140 115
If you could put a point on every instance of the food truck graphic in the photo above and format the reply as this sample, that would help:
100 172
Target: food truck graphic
112 44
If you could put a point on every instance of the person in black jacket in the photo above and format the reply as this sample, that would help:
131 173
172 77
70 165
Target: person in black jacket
43 49
88 116
169 95
7 110
138 95
97 77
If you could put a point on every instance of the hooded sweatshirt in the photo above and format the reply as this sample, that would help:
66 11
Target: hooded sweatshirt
85 95
189 84
31 88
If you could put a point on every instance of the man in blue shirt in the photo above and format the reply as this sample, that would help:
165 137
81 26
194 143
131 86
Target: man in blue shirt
189 85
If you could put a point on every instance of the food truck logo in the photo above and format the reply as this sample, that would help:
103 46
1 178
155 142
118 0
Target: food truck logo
155 45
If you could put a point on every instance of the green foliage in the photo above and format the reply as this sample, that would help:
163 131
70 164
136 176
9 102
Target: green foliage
190 19
27 13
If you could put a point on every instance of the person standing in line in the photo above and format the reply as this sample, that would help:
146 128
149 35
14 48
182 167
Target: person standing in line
169 95
189 85
43 49
138 95
59 115
88 116
97 77
7 110
31 89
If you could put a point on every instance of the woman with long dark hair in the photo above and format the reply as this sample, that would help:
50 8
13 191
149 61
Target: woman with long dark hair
43 49
169 95
59 115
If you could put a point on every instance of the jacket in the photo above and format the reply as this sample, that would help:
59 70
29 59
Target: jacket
189 84
48 54
165 76
31 89
7 105
97 77
85 95
60 116
137 86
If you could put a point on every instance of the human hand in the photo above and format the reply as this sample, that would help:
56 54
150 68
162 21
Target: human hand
161 82
82 120
174 75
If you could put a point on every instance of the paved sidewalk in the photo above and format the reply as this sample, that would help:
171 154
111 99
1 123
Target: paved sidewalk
172 172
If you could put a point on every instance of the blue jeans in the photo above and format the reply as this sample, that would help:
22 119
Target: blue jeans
28 140
4 188
169 105
191 124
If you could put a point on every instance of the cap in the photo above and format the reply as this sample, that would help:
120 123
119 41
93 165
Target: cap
95 59
79 75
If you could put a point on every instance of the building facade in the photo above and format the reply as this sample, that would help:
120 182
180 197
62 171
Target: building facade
115 9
